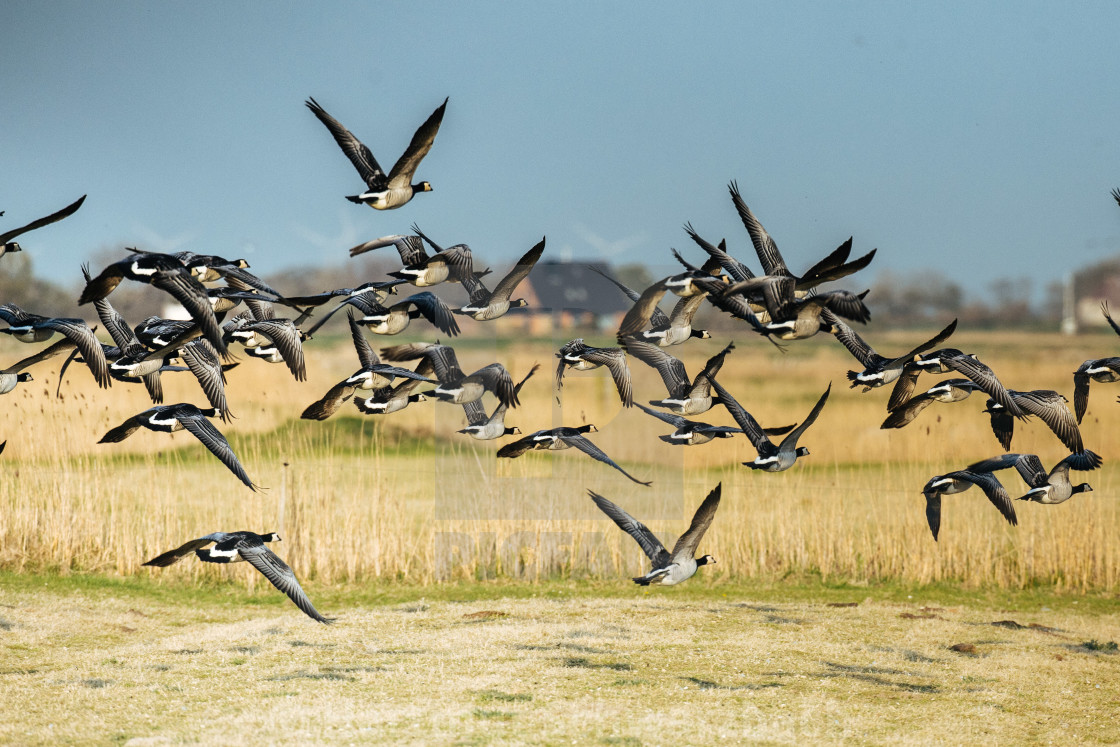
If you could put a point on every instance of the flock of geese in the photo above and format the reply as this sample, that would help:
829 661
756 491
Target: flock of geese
777 304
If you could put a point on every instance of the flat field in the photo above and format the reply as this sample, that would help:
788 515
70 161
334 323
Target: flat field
486 601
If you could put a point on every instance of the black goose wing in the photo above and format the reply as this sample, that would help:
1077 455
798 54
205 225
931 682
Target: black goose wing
903 387
986 379
701 520
1108 316
202 360
418 147
904 414
78 332
202 429
1050 407
672 370
657 317
366 354
52 218
685 309
672 419
505 287
435 311
571 348
514 449
790 441
647 540
329 403
615 361
855 344
820 272
933 511
122 431
639 314
192 295
764 246
56 348
714 364
745 420
595 452
496 379
996 493
933 342
281 576
354 149
733 267
286 337
174 556
442 358
1029 467
114 323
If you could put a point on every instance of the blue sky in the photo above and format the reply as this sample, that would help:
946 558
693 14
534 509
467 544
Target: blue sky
982 140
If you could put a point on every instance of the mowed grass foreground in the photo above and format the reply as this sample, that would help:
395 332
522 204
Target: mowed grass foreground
89 661
406 498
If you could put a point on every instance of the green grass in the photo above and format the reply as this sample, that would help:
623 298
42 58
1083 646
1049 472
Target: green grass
603 663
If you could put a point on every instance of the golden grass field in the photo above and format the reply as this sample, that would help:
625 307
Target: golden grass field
485 601
405 498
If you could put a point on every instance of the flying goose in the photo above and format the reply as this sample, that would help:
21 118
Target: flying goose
455 386
1048 405
372 376
669 568
384 192
694 433
958 482
232 547
877 370
944 361
675 330
555 439
484 304
486 428
394 319
6 243
581 357
950 390
685 397
420 268
1046 487
770 458
168 274
397 397
183 416
790 317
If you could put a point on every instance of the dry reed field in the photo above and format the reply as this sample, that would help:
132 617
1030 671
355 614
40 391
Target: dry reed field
486 601
404 498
